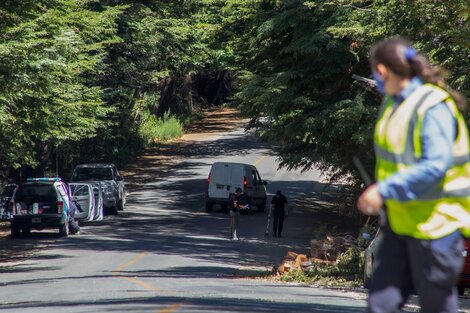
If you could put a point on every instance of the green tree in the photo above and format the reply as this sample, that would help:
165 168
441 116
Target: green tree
300 56
50 55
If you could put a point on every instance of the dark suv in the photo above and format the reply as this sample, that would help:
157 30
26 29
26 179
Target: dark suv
114 197
40 203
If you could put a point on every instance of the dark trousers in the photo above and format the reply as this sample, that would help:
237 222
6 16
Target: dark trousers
405 265
234 216
278 222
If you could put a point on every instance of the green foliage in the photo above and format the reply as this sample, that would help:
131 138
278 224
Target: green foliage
298 58
50 53
73 73
153 129
298 83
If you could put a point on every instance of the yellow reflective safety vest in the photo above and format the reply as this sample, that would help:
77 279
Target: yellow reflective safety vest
445 208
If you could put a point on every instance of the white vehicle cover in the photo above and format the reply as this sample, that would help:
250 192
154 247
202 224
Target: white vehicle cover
98 194
84 196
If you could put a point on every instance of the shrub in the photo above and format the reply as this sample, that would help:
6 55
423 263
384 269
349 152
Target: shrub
153 129
346 272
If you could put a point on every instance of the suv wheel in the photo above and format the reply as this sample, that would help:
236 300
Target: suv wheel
64 229
209 206
15 230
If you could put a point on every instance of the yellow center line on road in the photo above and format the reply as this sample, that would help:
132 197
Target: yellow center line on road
147 286
127 264
142 284
261 159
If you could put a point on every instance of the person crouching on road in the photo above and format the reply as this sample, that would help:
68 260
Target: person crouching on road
239 202
279 210
422 151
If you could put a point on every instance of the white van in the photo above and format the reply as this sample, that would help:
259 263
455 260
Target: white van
225 177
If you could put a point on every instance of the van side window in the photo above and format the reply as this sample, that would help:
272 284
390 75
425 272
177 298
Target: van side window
254 177
260 181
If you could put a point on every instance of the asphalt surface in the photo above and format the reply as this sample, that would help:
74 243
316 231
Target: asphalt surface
164 253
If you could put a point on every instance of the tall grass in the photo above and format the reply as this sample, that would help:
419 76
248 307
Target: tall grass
153 129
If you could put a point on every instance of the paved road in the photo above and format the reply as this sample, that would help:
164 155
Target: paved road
165 254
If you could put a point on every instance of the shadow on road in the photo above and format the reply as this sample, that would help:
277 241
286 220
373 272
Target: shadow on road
203 304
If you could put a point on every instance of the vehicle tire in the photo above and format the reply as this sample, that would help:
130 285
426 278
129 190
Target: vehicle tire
209 206
225 208
15 230
64 229
111 210
262 206
26 230
120 205
461 290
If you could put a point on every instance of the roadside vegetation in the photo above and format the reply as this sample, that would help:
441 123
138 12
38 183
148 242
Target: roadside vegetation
345 272
153 129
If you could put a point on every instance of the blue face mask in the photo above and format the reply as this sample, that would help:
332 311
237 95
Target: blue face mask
379 83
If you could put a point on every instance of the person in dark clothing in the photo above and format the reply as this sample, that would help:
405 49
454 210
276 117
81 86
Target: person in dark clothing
73 224
239 202
279 210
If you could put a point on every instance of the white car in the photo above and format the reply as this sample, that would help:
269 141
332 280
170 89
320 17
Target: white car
225 177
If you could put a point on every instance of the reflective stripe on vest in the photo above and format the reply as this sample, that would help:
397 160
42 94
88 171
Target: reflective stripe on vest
445 208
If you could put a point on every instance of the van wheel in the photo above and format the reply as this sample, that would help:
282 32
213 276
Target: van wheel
461 290
209 206
262 206
225 208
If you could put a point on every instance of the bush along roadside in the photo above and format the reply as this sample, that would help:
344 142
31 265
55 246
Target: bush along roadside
333 262
345 272
154 129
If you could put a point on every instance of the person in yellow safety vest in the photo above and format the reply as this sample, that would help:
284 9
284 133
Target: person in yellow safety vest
423 182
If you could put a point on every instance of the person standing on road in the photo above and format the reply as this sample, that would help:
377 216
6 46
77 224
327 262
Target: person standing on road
239 202
279 210
423 182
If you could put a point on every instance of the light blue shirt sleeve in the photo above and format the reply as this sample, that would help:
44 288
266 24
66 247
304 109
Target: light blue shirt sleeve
437 137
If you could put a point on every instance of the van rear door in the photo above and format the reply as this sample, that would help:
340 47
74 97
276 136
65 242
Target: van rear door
237 177
219 183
